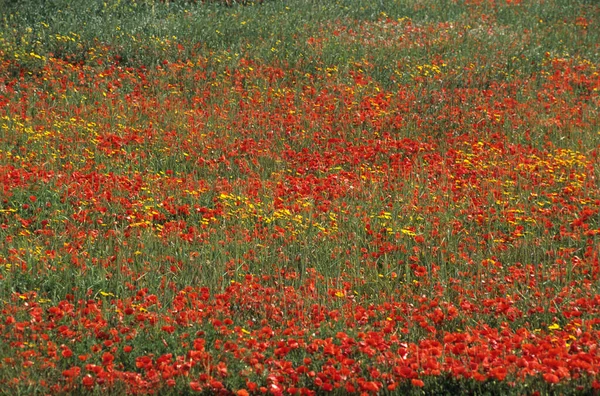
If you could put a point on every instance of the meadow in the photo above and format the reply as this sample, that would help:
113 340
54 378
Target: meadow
299 197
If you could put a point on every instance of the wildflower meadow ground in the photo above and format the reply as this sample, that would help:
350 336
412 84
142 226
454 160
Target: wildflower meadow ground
299 197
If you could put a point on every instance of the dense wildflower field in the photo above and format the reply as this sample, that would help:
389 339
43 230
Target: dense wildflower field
299 197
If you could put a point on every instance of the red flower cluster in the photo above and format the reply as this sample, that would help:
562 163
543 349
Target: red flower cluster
250 227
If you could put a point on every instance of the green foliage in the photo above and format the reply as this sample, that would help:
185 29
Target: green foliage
406 158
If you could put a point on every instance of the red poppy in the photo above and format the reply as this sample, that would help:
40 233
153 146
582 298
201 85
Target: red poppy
551 378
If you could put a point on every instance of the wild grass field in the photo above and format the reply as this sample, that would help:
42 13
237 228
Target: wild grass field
299 197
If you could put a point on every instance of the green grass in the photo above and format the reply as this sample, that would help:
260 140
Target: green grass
348 154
